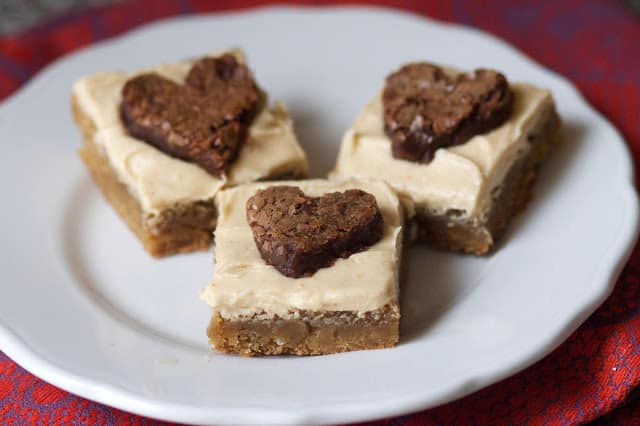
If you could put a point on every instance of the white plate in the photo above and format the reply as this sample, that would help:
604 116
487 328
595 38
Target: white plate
86 309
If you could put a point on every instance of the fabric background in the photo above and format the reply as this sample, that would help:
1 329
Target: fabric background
594 375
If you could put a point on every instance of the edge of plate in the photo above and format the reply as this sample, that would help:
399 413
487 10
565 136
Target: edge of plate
607 271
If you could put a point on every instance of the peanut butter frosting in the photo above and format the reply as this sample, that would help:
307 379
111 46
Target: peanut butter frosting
462 177
244 285
159 181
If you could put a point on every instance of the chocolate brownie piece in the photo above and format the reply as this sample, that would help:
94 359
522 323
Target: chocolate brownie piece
424 109
204 120
299 235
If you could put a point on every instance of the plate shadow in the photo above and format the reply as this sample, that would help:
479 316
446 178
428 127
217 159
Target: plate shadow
75 216
433 280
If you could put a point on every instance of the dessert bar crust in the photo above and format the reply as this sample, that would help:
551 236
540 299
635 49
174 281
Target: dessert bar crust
185 228
306 333
351 305
449 233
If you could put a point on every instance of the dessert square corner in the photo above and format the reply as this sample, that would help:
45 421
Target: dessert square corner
350 305
165 201
464 199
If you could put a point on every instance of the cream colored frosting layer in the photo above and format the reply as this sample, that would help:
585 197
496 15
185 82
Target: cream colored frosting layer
460 177
243 284
159 181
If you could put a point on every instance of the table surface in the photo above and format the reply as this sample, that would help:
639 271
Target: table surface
593 376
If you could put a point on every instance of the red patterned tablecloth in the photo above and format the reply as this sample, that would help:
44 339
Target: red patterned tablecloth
593 375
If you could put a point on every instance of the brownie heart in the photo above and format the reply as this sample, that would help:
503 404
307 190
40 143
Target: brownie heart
203 120
424 109
298 235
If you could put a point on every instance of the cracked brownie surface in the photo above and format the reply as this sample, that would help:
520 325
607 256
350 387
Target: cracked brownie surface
299 235
424 109
203 121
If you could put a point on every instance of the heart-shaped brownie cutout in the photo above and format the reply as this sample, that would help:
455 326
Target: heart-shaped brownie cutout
203 120
299 235
424 109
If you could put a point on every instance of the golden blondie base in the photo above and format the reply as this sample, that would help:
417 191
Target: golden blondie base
184 228
306 334
480 235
